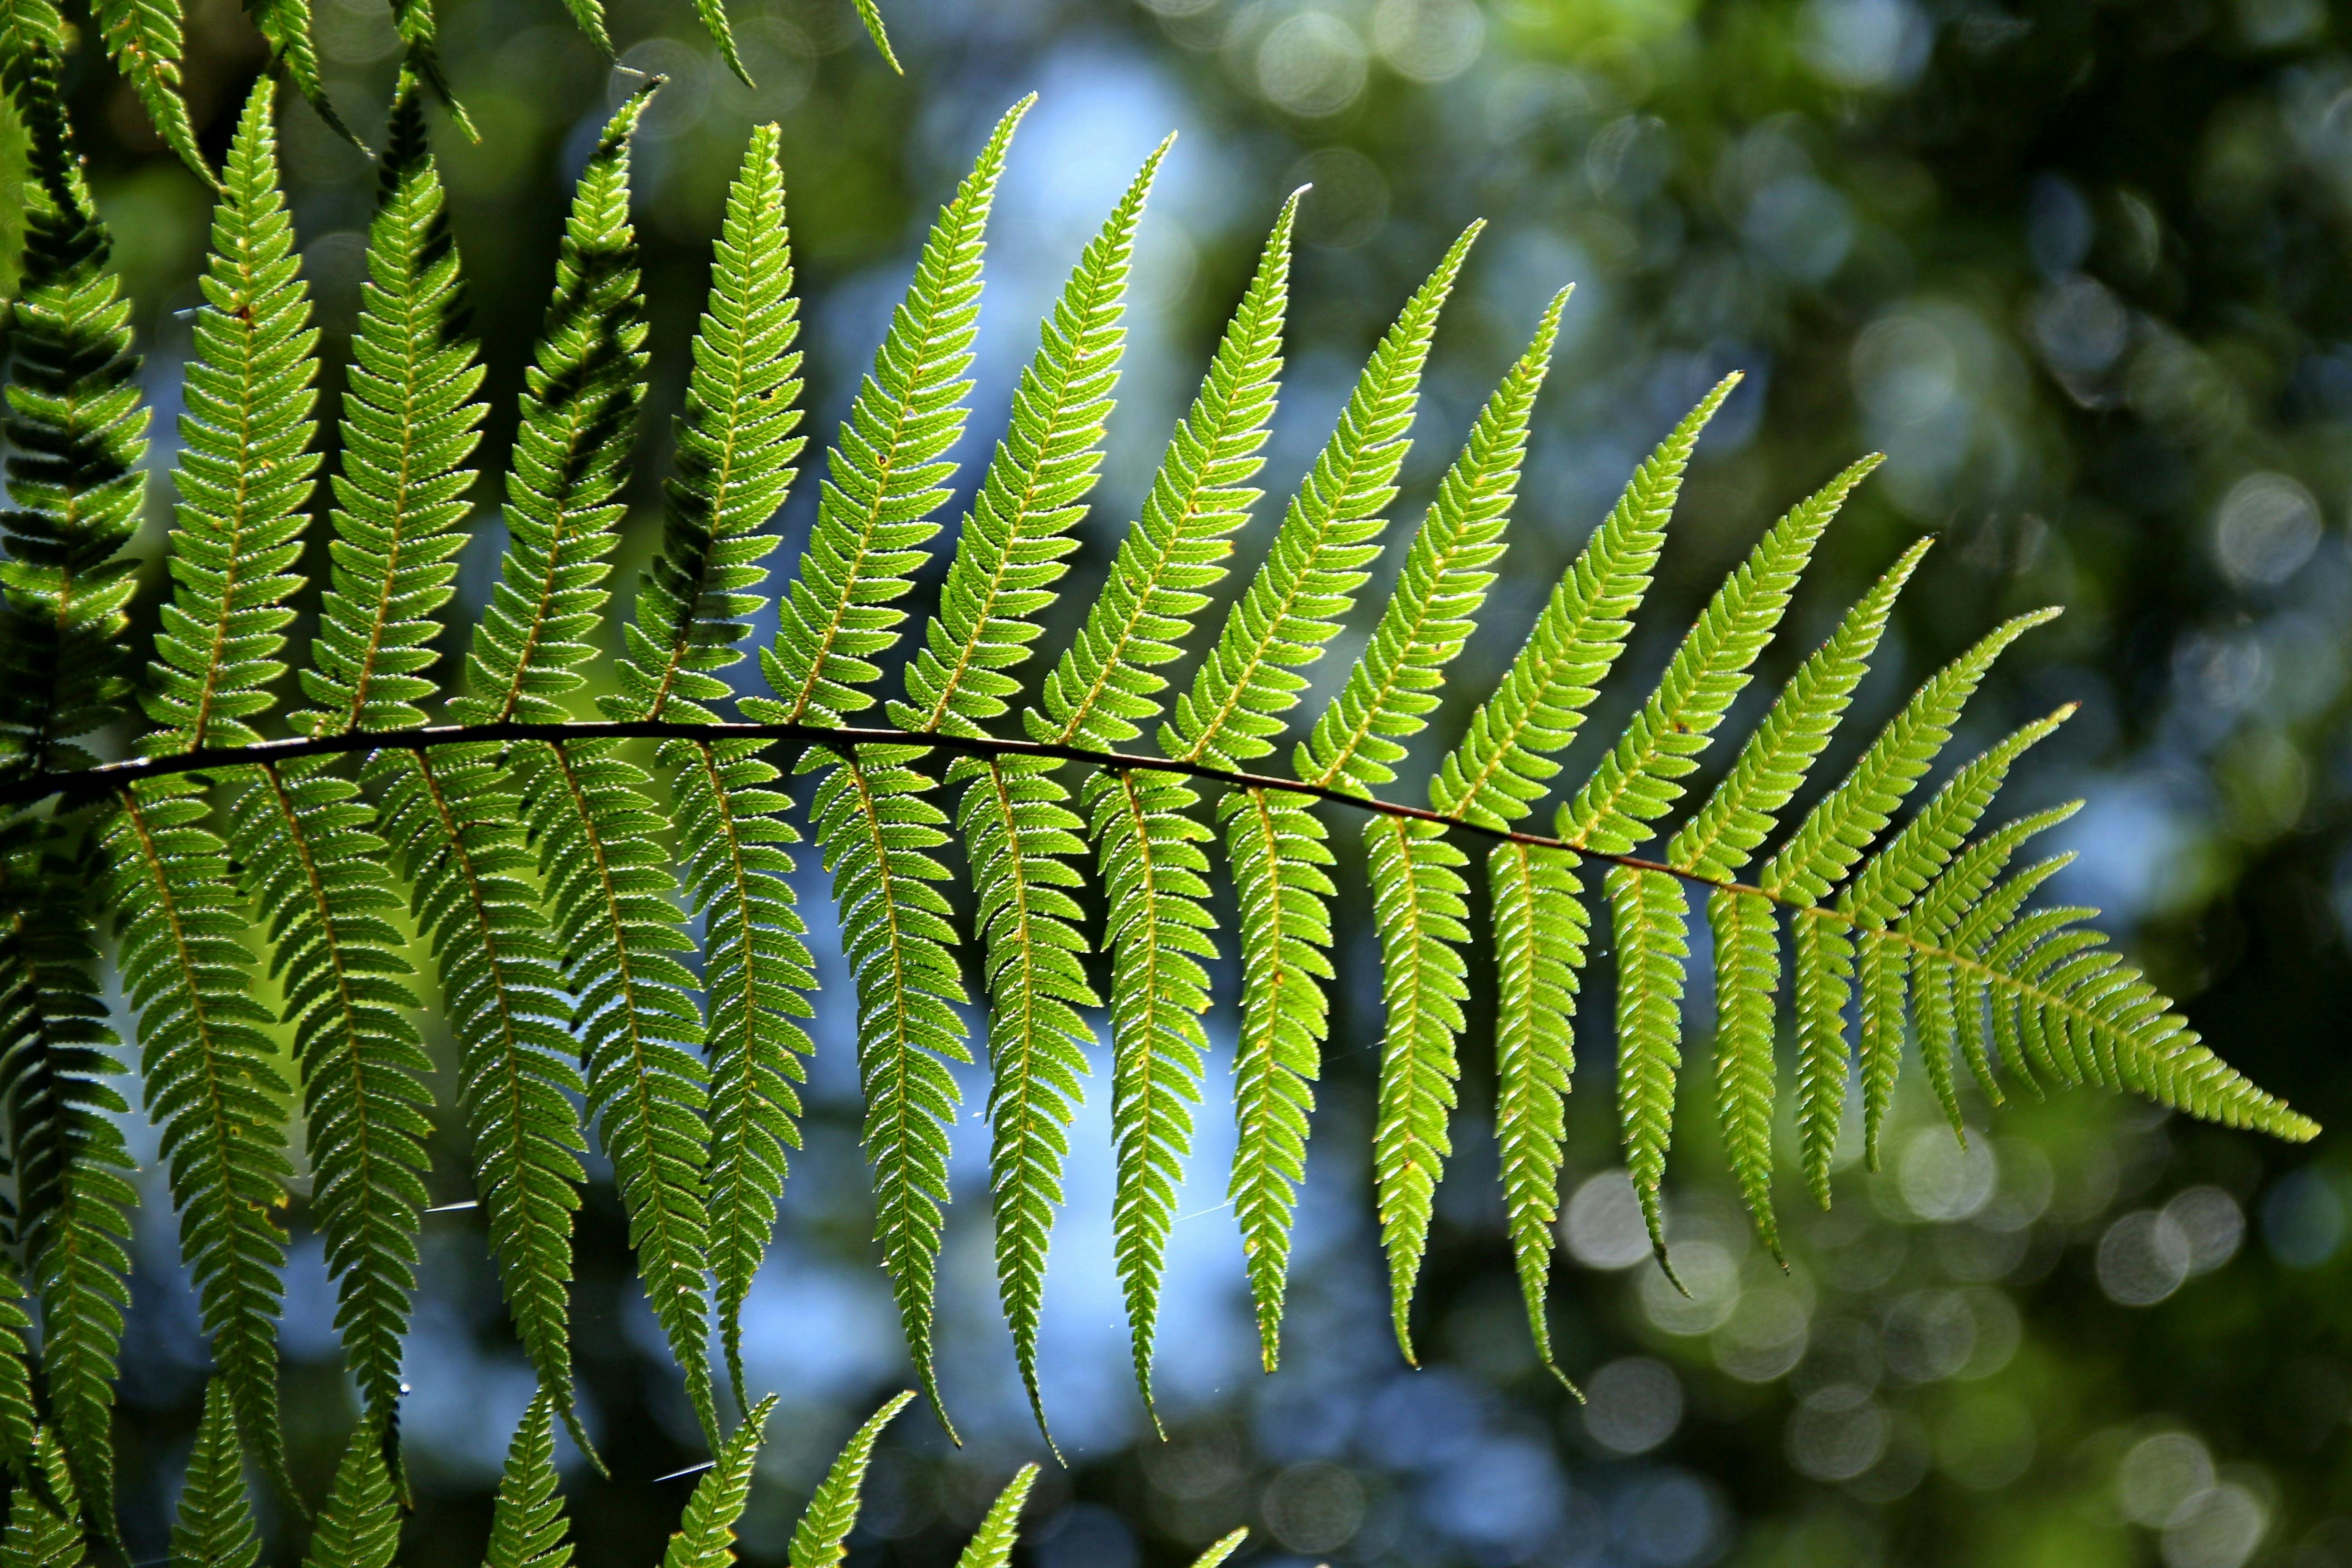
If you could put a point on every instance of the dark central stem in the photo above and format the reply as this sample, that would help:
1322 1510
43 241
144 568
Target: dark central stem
114 778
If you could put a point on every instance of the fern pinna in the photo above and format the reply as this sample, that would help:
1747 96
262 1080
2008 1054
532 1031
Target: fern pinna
606 896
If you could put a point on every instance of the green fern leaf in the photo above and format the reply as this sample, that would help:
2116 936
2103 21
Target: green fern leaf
736 443
1824 953
706 1536
1013 814
212 1085
286 26
869 12
19 1421
992 1544
245 470
1939 911
887 473
821 1537
454 818
143 39
72 1195
315 862
579 412
359 1526
1649 926
44 1531
32 45
76 434
214 1527
526 1521
1541 936
1420 908
1747 978
1224 1546
1105 688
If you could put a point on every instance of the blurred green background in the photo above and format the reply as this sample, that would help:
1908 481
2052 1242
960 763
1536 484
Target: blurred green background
2079 268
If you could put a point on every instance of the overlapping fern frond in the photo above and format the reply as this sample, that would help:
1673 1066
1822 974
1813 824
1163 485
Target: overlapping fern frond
616 929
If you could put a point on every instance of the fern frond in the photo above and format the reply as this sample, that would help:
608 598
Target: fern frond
1716 844
143 39
737 443
1014 549
286 26
1392 690
527 1527
1834 834
1281 624
76 434
43 1527
1420 908
360 1525
706 1535
869 12
888 473
1493 776
214 1527
72 1198
1650 928
1103 690
454 818
613 893
877 826
610 888
1747 979
317 865
1825 846
244 469
1279 851
992 1544
1016 540
212 1086
411 419
1541 936
1503 765
1155 884
420 39
1224 1546
821 1539
32 43
1718 840
19 1421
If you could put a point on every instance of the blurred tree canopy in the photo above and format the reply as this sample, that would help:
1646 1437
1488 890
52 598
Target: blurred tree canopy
2082 269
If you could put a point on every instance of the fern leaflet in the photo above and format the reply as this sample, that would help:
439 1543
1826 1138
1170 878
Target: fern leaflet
214 1527
991 1545
359 1526
821 1539
526 1521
